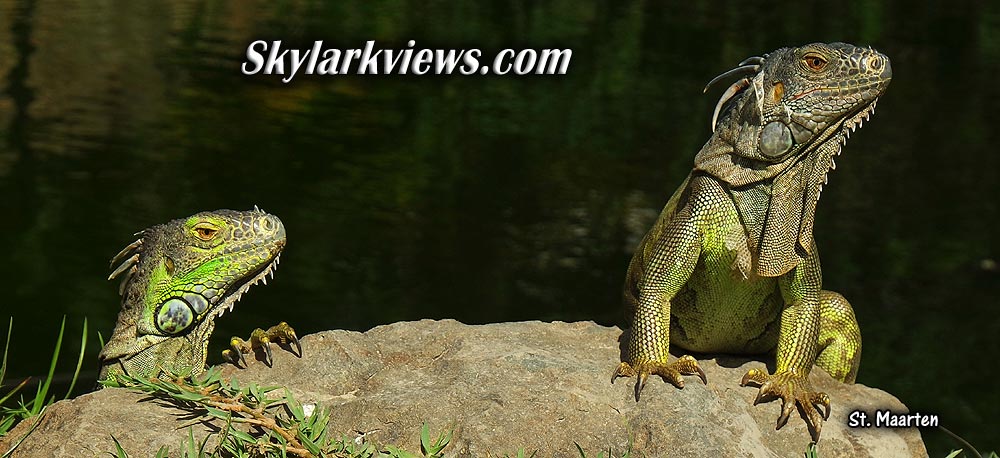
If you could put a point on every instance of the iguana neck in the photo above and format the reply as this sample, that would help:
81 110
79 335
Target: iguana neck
777 139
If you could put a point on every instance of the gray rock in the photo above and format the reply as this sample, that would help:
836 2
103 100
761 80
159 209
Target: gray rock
537 386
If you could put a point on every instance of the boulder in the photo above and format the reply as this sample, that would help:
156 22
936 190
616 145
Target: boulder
534 386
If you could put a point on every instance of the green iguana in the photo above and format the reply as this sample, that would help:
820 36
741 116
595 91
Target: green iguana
730 266
178 278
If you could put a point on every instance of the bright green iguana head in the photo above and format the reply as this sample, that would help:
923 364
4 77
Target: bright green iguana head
179 277
778 131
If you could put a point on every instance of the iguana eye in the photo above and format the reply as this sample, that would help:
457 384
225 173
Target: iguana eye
814 61
206 231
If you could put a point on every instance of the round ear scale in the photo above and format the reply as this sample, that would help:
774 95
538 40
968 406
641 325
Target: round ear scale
174 316
775 139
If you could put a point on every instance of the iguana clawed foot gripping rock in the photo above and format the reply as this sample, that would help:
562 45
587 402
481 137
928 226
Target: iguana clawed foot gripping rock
259 338
670 372
177 279
730 266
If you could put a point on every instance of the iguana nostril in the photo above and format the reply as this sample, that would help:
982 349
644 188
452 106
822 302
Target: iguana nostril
278 228
886 67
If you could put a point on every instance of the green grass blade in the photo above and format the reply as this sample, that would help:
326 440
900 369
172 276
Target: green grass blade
15 390
43 389
37 421
962 441
425 439
3 367
79 360
119 451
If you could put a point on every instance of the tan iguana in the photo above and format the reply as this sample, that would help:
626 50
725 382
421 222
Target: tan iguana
178 278
730 266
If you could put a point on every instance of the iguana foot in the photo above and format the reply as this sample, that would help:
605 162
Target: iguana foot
793 388
261 339
670 372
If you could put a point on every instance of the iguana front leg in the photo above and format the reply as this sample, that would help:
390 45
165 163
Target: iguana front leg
798 346
261 339
839 338
674 256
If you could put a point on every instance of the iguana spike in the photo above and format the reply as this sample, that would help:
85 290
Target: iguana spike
742 69
128 264
125 252
736 88
127 278
754 60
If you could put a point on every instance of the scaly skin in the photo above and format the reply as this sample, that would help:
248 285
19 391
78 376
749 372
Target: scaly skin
730 266
181 276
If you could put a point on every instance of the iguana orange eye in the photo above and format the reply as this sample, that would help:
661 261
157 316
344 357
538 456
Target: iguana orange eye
814 61
205 231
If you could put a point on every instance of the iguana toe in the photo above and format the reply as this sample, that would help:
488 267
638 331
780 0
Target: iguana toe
794 389
233 354
261 339
669 372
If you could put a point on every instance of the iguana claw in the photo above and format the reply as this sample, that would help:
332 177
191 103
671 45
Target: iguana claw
794 389
261 339
670 372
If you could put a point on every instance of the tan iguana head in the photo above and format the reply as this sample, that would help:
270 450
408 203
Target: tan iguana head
776 133
177 278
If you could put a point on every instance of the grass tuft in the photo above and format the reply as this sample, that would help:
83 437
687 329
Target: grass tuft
11 416
252 420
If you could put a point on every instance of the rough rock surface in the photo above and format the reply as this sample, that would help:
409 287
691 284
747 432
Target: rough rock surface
533 385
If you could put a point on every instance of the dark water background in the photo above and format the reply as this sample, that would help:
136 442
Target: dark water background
493 198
